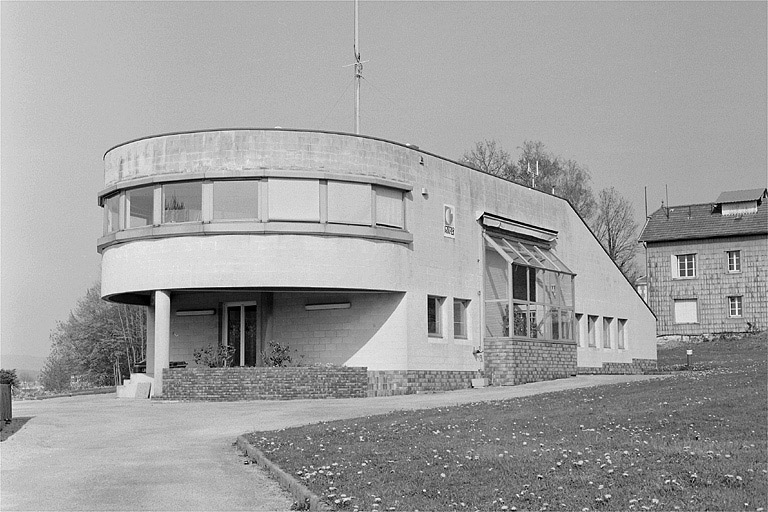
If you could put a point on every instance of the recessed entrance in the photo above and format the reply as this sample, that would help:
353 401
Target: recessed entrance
241 331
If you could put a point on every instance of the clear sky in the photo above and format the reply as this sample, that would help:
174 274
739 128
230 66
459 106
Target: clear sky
643 94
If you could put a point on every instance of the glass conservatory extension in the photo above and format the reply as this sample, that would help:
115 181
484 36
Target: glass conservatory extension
527 279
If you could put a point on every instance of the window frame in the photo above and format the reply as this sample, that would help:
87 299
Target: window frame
733 260
607 332
674 310
164 208
735 306
592 331
621 334
464 318
438 321
690 270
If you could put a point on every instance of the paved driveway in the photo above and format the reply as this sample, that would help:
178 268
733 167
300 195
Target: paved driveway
102 453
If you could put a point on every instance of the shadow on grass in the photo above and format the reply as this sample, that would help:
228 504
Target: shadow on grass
14 426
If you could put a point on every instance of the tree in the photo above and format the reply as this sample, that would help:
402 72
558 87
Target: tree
96 335
566 179
615 227
488 157
573 185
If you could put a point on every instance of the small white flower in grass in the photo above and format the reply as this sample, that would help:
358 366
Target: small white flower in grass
442 475
655 501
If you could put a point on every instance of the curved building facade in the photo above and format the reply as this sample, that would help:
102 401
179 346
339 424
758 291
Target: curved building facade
357 251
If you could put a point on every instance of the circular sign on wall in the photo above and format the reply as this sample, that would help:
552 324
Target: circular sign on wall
449 221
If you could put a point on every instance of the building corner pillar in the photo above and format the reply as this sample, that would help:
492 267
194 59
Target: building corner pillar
162 336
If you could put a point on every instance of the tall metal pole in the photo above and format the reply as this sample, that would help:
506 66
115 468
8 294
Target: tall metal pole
358 76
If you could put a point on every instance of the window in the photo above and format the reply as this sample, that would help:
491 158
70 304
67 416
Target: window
434 316
111 214
389 207
349 203
734 306
541 286
294 200
140 205
622 332
686 265
686 311
591 321
236 200
460 318
579 334
734 261
182 202
607 325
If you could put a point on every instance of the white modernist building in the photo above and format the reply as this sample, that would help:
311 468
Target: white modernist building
359 252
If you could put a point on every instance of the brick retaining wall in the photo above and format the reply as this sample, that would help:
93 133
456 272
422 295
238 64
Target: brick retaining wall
637 366
262 383
509 361
406 382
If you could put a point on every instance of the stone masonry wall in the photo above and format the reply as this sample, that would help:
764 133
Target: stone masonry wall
260 383
637 366
510 362
406 382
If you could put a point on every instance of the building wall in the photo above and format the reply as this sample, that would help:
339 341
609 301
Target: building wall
712 285
372 331
430 264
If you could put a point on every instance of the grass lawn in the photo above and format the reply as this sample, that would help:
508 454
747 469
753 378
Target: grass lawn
693 441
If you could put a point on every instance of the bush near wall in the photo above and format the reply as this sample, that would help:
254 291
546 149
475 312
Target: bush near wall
264 383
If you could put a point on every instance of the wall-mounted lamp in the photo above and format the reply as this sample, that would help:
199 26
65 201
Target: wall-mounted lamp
195 312
424 191
318 307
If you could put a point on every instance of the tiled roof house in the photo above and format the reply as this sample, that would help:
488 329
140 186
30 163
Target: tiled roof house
707 265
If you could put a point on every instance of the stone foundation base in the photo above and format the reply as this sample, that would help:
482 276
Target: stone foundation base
406 382
262 383
637 366
510 361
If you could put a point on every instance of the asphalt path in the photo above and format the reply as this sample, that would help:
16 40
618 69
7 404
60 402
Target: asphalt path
99 452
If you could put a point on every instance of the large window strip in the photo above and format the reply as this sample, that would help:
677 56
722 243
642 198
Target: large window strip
236 200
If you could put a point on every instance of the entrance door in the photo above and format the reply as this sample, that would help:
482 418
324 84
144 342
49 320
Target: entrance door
241 331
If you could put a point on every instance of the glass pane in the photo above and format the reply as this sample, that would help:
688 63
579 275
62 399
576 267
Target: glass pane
496 316
537 324
459 318
389 207
236 200
182 202
496 275
250 336
433 315
233 332
566 289
553 324
566 324
111 214
140 202
349 203
520 320
294 200
519 282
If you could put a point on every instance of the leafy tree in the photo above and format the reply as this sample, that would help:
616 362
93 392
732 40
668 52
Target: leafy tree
615 227
9 377
96 335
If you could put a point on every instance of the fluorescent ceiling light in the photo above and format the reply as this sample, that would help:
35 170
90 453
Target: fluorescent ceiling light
195 312
316 307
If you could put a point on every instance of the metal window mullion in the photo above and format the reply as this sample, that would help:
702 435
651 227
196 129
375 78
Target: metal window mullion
518 253
242 335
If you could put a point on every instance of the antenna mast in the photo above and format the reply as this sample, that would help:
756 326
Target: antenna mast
358 76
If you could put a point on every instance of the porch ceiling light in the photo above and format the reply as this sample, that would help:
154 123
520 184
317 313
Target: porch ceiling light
195 312
318 307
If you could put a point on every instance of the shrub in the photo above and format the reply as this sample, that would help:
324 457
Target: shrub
278 355
215 356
